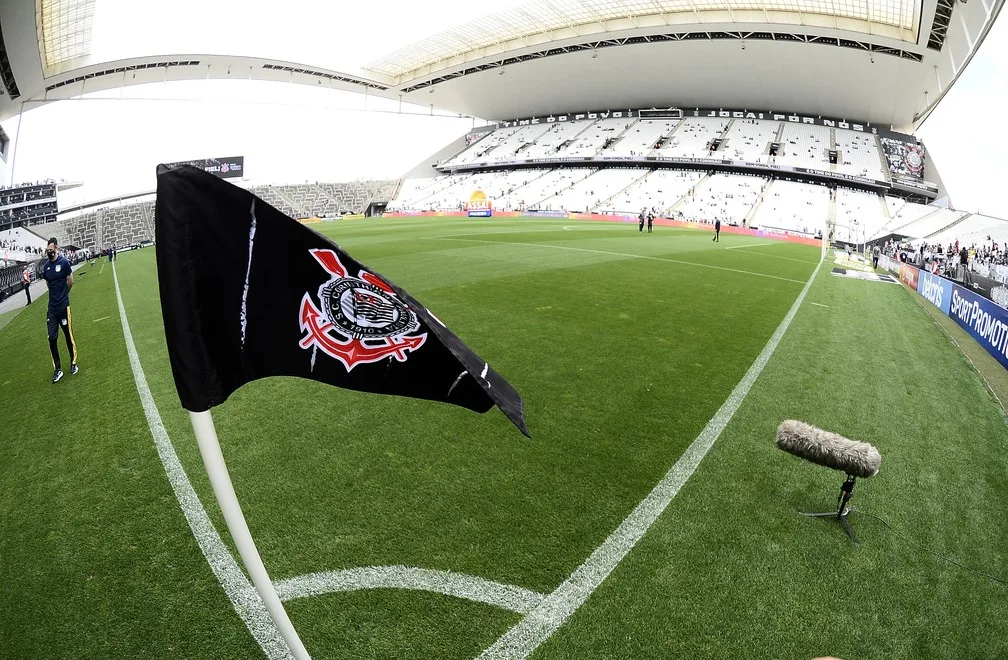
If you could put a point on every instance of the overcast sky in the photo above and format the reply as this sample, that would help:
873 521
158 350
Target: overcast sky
964 134
291 133
287 133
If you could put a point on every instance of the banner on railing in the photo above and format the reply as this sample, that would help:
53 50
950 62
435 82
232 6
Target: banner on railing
983 320
937 290
908 274
535 213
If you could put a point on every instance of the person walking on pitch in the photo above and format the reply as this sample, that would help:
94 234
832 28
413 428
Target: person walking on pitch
640 222
59 277
650 219
717 230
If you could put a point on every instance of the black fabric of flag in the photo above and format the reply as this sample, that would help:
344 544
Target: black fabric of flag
248 293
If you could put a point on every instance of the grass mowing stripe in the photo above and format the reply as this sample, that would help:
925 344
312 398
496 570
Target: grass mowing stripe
539 624
771 256
468 587
243 597
624 254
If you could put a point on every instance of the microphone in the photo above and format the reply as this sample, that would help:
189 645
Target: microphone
857 459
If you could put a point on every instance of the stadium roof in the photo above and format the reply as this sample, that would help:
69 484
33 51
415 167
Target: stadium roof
894 18
64 30
888 62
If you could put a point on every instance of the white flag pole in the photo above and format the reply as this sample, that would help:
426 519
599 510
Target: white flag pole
213 460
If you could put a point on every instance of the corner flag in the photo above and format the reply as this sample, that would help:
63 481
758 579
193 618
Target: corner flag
247 293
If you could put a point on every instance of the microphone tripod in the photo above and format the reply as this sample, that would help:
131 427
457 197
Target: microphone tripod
846 492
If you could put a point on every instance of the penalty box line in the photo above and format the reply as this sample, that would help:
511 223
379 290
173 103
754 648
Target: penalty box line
546 618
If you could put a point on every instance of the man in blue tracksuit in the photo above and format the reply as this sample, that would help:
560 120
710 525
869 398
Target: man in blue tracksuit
59 277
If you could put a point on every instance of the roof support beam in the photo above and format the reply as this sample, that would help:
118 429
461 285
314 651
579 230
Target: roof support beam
660 11
969 39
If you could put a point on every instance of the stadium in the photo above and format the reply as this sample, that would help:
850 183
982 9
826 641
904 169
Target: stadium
700 253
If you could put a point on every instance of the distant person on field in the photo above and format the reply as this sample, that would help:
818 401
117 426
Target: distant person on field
650 220
875 256
26 279
59 278
717 231
640 222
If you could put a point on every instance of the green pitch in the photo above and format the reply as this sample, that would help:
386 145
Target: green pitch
623 346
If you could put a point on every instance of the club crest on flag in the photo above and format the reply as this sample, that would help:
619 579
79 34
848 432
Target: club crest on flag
358 319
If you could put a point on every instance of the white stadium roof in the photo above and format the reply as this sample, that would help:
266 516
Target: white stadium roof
896 18
64 31
883 61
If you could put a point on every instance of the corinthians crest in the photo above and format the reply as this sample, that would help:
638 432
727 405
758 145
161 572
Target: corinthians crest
361 318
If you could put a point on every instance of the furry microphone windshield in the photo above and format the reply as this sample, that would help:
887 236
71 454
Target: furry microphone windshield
831 450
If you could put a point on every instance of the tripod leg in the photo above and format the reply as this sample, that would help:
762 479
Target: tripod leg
846 492
850 532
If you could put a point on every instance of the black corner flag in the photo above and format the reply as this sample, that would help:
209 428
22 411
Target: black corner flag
247 293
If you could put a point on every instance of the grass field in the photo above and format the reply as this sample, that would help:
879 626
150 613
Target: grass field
5 317
624 346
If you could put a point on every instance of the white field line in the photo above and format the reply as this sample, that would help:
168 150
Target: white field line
102 269
546 618
771 256
469 587
819 304
537 229
748 245
244 598
242 594
101 319
599 226
621 254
